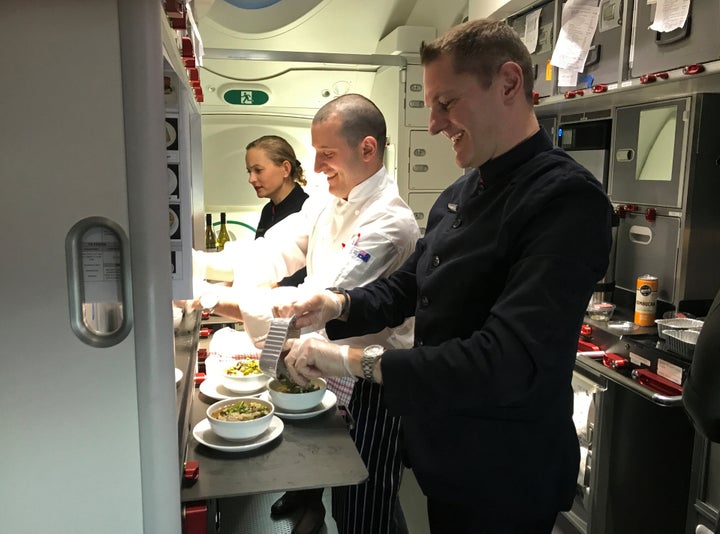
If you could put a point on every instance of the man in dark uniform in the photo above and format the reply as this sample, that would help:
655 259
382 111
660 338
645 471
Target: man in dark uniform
498 287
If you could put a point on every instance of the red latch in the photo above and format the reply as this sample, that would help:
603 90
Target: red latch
695 68
191 471
586 346
662 75
199 378
205 332
205 315
586 330
202 354
656 382
195 518
536 98
175 8
647 78
621 211
178 23
187 47
198 94
650 214
573 94
614 361
599 88
631 207
189 62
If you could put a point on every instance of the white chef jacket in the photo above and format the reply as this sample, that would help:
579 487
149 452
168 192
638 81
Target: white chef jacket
345 243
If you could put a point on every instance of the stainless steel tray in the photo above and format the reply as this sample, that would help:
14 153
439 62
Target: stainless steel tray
272 357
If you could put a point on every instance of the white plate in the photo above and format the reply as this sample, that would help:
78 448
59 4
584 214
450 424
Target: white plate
173 220
328 401
215 390
178 375
170 134
204 434
172 181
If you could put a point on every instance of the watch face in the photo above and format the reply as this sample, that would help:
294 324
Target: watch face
374 350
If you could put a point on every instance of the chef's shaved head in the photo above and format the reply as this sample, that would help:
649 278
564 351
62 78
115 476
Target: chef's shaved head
360 118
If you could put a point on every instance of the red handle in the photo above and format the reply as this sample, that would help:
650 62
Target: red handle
656 382
585 346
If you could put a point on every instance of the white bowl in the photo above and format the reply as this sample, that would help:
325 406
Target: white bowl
243 383
296 402
240 430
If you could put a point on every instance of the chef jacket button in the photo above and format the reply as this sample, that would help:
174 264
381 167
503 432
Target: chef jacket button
435 261
424 301
457 222
357 212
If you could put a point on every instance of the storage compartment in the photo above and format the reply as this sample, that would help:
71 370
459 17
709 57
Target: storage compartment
604 61
648 247
650 143
698 41
432 162
540 48
420 204
416 113
589 144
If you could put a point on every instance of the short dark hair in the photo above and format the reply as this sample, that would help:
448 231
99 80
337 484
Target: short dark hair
482 46
279 150
360 118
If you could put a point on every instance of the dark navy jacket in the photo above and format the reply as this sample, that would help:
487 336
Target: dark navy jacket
498 287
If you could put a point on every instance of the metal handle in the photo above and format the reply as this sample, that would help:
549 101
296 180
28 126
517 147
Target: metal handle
657 398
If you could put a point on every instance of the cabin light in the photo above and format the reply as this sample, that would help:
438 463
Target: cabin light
252 4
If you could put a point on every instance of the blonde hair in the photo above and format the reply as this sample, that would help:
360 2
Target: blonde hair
279 151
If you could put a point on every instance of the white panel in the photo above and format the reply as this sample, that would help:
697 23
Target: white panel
224 140
416 114
420 204
432 161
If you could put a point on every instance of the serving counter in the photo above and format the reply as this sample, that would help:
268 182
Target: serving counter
310 453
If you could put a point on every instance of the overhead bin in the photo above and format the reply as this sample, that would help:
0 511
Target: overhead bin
537 28
697 41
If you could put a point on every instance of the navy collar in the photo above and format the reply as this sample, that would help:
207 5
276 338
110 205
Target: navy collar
495 170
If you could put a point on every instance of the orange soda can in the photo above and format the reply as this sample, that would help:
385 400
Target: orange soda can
646 300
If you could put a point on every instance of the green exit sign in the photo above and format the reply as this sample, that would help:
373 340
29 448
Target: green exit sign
246 97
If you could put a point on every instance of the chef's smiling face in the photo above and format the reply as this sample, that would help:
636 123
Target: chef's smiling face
264 175
342 164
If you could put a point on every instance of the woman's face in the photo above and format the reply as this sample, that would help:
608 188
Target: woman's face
266 177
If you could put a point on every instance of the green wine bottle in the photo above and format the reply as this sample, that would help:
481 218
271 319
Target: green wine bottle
210 239
223 236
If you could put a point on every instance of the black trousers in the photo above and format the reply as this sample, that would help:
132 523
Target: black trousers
453 518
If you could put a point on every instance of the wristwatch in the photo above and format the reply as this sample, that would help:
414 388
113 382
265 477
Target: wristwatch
208 301
370 357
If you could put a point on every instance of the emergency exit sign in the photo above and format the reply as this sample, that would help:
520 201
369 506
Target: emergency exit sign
246 97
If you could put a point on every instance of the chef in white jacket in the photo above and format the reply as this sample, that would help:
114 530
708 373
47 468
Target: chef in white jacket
362 232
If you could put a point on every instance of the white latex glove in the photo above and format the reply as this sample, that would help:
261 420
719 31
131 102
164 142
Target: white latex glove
313 312
311 357
257 313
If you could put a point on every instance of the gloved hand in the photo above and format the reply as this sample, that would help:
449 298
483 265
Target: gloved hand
256 313
311 357
313 312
